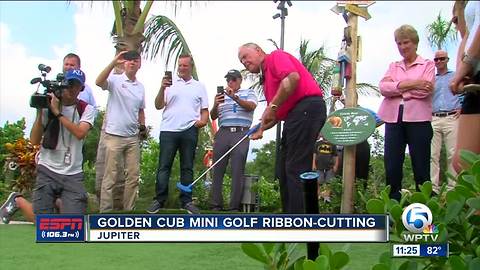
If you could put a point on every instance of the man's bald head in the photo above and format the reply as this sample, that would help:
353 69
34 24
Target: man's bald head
251 56
441 53
441 61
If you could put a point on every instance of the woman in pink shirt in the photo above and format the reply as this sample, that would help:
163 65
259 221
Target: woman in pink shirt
406 109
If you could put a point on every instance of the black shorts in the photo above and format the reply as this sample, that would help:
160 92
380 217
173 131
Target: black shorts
471 101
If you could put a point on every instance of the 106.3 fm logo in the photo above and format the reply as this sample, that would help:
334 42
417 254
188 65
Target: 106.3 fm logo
417 219
60 228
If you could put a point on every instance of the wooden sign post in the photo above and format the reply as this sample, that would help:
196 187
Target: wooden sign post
352 9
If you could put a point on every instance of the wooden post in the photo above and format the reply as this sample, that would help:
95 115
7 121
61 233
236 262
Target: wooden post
351 99
354 9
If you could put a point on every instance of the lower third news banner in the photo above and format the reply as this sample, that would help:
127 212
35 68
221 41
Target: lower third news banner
237 228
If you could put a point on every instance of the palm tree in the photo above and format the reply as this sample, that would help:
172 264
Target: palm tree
163 35
321 67
440 32
129 24
132 31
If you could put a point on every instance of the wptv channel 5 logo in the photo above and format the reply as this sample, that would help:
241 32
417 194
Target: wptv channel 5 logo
60 228
417 219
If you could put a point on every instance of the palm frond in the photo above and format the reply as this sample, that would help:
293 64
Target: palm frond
162 35
118 26
440 32
321 67
274 43
255 79
367 89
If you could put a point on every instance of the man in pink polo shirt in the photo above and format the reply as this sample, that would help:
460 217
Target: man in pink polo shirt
293 96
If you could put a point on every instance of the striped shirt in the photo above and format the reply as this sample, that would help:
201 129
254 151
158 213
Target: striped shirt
230 114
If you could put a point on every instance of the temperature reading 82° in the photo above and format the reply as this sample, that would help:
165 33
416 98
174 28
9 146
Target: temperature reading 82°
433 250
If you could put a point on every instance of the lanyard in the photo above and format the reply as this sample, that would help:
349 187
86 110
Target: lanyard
70 136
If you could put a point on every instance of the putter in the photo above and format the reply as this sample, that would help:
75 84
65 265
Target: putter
189 187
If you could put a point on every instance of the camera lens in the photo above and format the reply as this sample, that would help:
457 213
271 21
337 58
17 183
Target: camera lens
44 68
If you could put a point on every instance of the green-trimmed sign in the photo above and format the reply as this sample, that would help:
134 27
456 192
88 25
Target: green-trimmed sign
348 126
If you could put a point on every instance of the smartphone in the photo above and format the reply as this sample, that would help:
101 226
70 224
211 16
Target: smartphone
168 74
220 90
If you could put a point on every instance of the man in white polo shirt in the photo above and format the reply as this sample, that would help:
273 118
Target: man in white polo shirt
185 105
125 117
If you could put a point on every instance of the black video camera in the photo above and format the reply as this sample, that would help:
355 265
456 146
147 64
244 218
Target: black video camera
38 100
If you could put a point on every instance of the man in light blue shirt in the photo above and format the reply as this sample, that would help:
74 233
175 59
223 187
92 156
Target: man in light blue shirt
445 113
234 109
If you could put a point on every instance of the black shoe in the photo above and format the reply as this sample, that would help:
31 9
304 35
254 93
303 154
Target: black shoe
9 207
216 208
154 207
191 208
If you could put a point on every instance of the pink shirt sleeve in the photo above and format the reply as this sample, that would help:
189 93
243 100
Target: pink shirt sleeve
389 87
428 75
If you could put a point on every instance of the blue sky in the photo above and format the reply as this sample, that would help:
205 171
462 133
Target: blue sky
39 23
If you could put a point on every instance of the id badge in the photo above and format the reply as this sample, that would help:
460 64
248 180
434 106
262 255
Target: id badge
67 159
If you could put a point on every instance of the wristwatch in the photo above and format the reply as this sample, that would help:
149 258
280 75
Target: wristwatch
59 115
472 61
273 107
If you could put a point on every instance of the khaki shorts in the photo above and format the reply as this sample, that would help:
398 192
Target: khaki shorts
69 188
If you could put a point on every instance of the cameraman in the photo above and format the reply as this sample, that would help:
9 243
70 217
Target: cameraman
59 172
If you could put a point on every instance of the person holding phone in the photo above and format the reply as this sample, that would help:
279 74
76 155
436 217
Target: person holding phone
184 102
234 108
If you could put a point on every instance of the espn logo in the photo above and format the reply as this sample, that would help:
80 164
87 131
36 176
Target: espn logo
60 223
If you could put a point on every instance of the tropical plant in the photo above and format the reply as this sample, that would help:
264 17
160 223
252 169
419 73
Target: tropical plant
274 256
321 67
129 24
268 195
456 215
10 132
280 256
21 160
91 141
162 35
440 32
263 162
132 31
16 159
317 63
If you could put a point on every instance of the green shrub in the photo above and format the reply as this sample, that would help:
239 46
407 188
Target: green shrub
269 195
281 256
456 213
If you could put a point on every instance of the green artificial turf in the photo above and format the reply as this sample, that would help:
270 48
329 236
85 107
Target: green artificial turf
18 250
